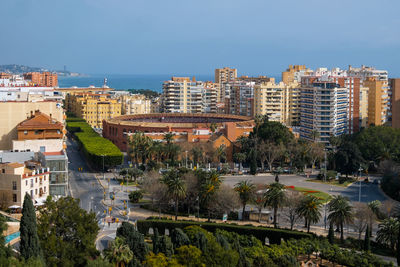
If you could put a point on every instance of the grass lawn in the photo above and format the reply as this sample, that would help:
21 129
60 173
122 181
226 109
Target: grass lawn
332 182
324 197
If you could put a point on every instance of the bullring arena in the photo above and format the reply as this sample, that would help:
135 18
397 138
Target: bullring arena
185 127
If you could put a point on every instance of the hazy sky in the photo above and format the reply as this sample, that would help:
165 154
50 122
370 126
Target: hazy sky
196 36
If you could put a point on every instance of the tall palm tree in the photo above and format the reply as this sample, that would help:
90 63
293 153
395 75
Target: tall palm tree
274 197
209 185
176 187
340 212
388 232
309 209
119 252
374 207
246 193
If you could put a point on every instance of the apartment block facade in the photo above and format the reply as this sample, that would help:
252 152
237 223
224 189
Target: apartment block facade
93 107
280 102
241 98
134 104
324 109
18 179
46 79
378 100
182 95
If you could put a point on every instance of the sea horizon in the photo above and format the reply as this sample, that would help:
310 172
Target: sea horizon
129 81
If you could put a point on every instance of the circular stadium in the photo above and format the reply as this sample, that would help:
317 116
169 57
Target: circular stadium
156 125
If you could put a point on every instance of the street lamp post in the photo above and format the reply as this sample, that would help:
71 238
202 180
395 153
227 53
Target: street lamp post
103 168
186 159
198 208
359 187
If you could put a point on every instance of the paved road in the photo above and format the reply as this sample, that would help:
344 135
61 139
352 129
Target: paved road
369 191
85 186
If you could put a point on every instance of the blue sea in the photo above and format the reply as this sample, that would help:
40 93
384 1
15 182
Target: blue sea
124 82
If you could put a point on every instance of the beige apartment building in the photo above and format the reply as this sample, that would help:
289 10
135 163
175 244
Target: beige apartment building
94 108
378 100
280 102
134 104
12 113
18 179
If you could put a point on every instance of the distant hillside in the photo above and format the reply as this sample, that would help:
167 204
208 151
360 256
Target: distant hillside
19 69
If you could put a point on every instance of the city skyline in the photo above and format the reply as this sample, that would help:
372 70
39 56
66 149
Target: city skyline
131 37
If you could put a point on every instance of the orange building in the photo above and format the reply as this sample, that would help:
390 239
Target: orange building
395 87
4 75
40 126
45 79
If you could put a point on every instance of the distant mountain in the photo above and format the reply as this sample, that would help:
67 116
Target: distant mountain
20 69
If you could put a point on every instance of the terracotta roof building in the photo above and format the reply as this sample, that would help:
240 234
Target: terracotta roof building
40 126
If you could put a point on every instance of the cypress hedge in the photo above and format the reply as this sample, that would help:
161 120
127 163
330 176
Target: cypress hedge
29 245
274 235
94 146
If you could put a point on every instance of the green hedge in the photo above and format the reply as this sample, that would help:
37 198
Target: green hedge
274 235
94 146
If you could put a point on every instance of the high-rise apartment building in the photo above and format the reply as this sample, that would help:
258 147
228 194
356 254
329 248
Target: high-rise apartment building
241 98
182 95
222 77
280 102
324 109
364 92
395 88
45 79
225 75
378 100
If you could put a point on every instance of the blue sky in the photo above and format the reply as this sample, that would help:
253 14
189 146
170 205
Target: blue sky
197 36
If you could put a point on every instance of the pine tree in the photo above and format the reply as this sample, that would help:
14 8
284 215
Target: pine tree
367 242
155 241
29 246
179 238
166 246
331 234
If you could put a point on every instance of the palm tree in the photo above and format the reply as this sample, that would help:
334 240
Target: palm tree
220 153
246 193
119 252
275 198
197 155
374 207
309 209
388 232
340 212
176 188
209 185
239 158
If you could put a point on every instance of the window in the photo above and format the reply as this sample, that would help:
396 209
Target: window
3 170
25 132
36 180
36 191
26 182
32 193
14 197
14 185
42 149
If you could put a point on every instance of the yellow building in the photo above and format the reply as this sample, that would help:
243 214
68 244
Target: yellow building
280 102
378 100
293 72
94 108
